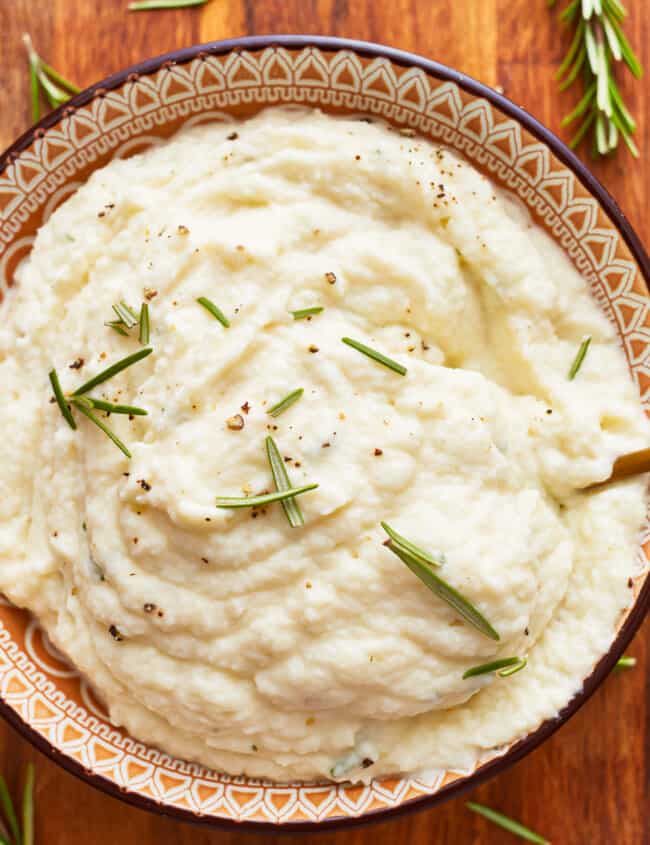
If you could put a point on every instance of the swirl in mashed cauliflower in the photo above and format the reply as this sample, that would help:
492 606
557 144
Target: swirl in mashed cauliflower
230 637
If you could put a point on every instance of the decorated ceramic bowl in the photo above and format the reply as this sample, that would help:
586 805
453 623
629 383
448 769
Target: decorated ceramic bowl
41 694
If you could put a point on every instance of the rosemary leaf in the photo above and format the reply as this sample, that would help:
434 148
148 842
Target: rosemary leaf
55 95
424 557
144 324
580 357
282 483
111 408
285 403
60 399
9 811
301 313
34 92
443 590
125 314
115 368
506 823
259 501
626 662
117 326
487 668
82 404
512 670
61 80
147 5
214 310
376 356
28 807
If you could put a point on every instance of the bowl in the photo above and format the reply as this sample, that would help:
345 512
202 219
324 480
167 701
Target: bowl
45 698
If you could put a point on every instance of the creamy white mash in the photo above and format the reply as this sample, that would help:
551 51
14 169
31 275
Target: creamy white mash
227 636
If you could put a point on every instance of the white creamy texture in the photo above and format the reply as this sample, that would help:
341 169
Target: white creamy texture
279 651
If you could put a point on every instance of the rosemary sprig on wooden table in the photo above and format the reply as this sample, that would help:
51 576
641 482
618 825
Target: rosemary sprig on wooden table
43 77
149 5
507 824
598 44
625 662
12 834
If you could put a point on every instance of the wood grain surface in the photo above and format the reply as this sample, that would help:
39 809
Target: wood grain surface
590 782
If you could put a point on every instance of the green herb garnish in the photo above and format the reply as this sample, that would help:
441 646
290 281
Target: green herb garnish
405 544
626 662
285 403
506 823
260 501
376 356
27 835
301 313
597 46
144 324
580 357
443 590
117 326
60 399
125 314
111 408
115 368
28 807
214 310
84 405
57 88
9 811
504 667
282 483
147 5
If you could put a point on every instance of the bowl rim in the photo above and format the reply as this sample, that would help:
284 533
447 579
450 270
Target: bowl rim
642 604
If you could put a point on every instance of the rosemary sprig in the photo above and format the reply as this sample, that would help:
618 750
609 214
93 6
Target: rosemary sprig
506 823
26 837
84 405
260 501
598 43
115 368
408 546
301 313
285 403
147 5
282 483
504 667
60 399
443 590
144 324
626 662
214 310
580 357
125 314
117 326
57 88
376 356
111 408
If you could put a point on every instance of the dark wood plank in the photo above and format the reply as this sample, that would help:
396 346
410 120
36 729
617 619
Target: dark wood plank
589 783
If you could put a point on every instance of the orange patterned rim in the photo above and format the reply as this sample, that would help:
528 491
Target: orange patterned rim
40 693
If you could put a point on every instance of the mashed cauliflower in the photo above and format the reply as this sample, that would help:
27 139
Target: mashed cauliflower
228 636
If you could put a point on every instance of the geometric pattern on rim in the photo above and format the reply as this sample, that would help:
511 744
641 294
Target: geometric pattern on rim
35 681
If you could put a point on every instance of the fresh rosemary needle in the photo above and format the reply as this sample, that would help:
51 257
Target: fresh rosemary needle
266 499
506 823
376 356
144 324
125 314
443 590
9 811
28 807
626 662
84 405
147 5
115 368
57 88
117 326
425 557
301 313
60 399
281 406
580 357
214 310
282 483
504 667
111 408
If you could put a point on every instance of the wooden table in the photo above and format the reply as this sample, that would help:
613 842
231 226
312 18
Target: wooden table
589 783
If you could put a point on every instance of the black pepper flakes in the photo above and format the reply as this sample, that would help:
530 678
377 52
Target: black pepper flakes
245 407
313 349
149 607
144 484
117 636
232 137
366 763
235 423
77 364
331 278
378 452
